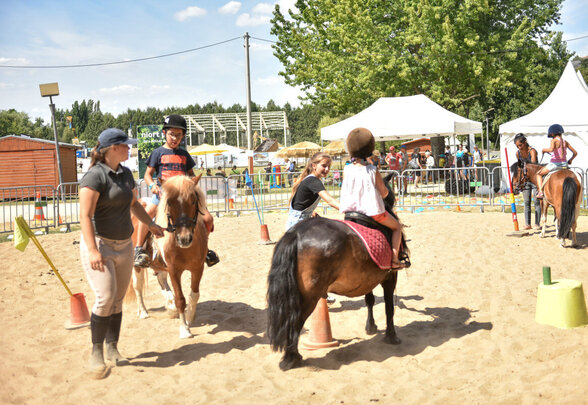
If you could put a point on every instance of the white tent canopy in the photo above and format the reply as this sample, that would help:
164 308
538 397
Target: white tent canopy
567 105
392 118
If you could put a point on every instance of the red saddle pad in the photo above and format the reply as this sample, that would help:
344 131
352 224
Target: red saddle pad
375 242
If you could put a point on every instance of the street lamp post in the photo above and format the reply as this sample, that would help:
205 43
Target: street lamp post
50 90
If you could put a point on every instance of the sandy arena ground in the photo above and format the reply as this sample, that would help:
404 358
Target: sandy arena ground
465 314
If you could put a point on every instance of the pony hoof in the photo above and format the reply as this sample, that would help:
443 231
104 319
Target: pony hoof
143 315
185 334
290 361
371 330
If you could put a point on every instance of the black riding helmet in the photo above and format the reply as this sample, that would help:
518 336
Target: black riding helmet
555 129
174 121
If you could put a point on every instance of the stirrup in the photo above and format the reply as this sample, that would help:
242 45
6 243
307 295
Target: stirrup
211 258
404 259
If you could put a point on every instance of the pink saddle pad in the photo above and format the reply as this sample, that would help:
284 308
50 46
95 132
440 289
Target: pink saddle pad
375 242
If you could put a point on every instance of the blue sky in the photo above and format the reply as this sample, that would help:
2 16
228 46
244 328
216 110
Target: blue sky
41 33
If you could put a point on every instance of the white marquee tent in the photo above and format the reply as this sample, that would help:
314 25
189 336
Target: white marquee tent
567 105
391 118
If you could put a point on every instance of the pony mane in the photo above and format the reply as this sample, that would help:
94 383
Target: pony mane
182 187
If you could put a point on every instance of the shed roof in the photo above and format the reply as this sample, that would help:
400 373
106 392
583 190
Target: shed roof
31 139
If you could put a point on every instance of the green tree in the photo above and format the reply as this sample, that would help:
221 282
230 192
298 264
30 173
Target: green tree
13 122
345 54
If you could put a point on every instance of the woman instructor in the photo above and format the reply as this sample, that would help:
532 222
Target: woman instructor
107 197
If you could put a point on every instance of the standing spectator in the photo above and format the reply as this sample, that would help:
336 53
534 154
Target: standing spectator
402 159
430 165
291 169
391 159
477 157
459 161
415 163
107 197
220 172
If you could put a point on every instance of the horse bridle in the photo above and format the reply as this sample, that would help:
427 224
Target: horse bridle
183 221
522 178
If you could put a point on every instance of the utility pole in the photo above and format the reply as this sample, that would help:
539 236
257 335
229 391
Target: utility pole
487 133
248 79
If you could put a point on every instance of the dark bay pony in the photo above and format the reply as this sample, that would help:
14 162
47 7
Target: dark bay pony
184 245
314 257
562 191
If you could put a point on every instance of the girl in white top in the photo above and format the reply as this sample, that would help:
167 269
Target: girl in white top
363 189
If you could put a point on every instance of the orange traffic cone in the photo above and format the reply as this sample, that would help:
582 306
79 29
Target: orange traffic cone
39 215
79 315
231 203
320 335
265 239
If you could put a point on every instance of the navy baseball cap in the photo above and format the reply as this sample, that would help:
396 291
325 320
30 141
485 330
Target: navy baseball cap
114 136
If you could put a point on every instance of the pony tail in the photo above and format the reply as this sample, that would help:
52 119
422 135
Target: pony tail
98 154
568 208
283 296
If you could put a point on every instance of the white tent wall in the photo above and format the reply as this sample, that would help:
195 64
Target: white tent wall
567 105
392 118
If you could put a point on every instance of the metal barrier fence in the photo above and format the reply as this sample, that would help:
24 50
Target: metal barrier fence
416 190
36 204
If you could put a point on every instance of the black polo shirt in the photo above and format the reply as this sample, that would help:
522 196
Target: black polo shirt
112 218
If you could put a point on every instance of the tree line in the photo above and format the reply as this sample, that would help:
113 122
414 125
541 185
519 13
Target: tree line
85 120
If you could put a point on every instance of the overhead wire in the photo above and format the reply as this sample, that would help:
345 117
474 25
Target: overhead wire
221 43
119 62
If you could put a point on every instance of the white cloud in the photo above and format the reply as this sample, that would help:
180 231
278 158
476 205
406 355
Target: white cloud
264 46
232 7
247 20
122 89
5 85
263 8
190 12
14 61
158 87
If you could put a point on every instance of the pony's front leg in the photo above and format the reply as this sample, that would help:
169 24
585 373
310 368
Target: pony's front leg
167 293
139 286
191 309
196 276
180 304
370 324
389 285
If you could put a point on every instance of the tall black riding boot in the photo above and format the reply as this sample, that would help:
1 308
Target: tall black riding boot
98 327
111 338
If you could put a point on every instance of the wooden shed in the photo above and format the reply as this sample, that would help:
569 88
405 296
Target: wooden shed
423 143
26 161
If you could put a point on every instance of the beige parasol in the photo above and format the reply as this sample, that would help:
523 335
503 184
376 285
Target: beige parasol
335 148
301 149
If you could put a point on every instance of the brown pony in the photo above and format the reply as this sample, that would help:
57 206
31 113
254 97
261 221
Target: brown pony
317 256
562 191
184 245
